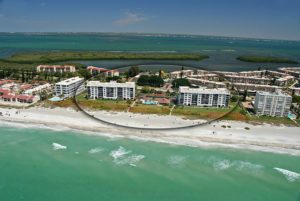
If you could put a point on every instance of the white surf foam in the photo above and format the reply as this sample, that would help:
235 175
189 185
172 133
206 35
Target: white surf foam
177 160
131 160
241 166
289 175
120 152
96 150
222 165
122 156
57 146
246 166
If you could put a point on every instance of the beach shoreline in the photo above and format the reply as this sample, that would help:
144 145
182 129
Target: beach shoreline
224 134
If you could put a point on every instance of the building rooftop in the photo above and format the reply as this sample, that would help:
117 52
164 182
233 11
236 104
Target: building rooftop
203 90
55 66
70 81
277 93
110 84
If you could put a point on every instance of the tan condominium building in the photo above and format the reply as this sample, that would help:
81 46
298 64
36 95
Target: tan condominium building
56 68
111 90
203 97
272 104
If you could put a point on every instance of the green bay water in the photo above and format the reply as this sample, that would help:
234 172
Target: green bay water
223 51
103 168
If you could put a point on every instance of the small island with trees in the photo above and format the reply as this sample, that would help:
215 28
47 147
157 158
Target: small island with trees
266 59
51 57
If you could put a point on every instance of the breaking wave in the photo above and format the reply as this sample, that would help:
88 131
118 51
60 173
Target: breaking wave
96 150
289 175
222 165
119 153
57 146
122 156
238 165
177 160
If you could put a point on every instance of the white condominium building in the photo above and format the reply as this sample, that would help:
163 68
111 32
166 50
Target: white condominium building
111 90
272 104
204 97
67 88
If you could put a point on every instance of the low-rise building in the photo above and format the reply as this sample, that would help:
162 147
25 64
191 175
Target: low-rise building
56 68
111 90
272 104
255 73
67 88
206 83
282 81
208 76
96 70
111 73
39 89
181 74
248 79
294 71
203 97
296 91
255 87
107 73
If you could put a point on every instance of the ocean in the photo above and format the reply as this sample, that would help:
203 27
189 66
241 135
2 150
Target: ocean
222 50
43 164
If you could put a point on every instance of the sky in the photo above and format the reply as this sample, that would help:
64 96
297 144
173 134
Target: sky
271 19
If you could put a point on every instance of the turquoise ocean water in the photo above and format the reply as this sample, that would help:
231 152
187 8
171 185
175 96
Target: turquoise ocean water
102 168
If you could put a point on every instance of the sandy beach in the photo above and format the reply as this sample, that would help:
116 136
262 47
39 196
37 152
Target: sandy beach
231 134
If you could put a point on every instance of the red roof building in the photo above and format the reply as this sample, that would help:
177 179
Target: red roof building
4 91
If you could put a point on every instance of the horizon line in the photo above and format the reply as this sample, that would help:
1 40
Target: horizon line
147 33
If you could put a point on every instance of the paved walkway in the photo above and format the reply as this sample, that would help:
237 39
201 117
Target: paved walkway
131 106
172 109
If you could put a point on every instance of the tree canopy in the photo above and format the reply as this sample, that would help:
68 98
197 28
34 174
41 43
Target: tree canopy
153 81
133 71
180 82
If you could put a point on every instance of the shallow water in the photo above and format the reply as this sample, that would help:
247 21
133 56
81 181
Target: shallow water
82 167
222 50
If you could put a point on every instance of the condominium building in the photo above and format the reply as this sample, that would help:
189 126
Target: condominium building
255 73
182 73
111 73
55 68
272 104
248 79
204 97
67 88
255 87
282 81
111 90
107 73
39 89
206 83
294 71
208 76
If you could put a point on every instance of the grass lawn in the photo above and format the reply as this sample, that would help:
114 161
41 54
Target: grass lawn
200 113
99 104
272 120
150 109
